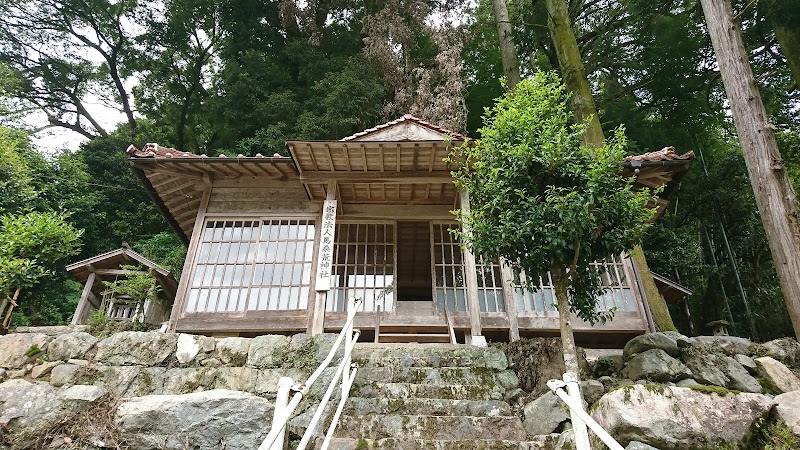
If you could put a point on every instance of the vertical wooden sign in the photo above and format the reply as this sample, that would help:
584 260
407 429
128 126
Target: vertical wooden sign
325 252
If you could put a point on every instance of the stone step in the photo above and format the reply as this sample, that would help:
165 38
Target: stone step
439 376
419 355
357 406
413 390
545 442
431 427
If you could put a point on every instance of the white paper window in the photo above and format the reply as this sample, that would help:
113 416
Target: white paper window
252 265
618 294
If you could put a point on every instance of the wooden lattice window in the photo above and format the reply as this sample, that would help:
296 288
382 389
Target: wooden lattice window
250 265
490 287
363 266
619 293
450 286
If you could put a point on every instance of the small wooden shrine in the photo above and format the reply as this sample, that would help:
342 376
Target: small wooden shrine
94 272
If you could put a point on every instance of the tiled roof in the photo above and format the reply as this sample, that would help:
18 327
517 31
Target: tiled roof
406 118
157 151
665 154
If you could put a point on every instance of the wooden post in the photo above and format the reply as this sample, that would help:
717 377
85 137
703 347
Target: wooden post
316 320
82 311
11 303
188 264
774 195
507 276
471 277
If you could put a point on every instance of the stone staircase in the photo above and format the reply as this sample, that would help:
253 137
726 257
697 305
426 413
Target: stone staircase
438 397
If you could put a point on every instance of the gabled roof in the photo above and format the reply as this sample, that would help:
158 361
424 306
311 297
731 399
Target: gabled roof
116 257
106 266
406 128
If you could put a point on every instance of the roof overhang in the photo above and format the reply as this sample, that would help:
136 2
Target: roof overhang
176 185
404 172
670 290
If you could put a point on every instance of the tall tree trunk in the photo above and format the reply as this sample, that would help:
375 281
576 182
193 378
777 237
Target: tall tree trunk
508 51
574 74
560 281
774 195
573 71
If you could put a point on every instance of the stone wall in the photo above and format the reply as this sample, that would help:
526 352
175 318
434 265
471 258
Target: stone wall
61 387
224 386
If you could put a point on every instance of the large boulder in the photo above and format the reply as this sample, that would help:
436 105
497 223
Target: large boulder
645 342
705 369
673 418
544 415
739 378
26 408
786 350
730 345
655 365
18 348
781 379
132 348
70 345
787 408
232 351
202 421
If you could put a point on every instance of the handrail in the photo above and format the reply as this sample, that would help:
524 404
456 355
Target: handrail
284 409
576 407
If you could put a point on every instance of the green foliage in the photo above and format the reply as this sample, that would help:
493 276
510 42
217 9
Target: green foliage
31 246
137 285
16 180
33 351
166 248
543 201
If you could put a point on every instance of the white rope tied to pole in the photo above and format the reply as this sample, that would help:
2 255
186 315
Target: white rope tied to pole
279 423
558 386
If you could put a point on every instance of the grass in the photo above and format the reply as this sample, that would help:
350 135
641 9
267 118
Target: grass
80 428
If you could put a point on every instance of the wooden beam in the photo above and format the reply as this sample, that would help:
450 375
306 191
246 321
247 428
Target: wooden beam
188 264
118 272
316 308
82 311
471 276
413 177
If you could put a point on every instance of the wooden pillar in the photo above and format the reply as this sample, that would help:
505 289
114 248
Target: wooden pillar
82 311
188 264
316 319
471 277
507 276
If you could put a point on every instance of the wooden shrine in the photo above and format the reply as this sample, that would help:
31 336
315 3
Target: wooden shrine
277 244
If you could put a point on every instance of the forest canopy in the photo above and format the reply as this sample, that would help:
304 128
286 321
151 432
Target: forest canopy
241 77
